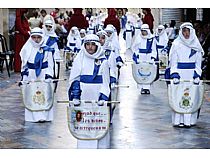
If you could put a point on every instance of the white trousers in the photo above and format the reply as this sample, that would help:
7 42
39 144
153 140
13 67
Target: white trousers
187 119
103 143
39 116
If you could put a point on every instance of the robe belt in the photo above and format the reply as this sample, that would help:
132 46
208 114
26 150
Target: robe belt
186 65
90 79
32 66
145 50
72 44
159 46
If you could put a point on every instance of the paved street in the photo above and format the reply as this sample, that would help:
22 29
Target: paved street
139 122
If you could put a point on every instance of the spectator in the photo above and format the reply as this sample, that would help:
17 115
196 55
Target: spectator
148 18
112 19
34 21
55 13
171 31
78 19
45 16
21 36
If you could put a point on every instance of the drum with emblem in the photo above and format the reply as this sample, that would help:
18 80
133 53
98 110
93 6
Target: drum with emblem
38 96
144 72
185 97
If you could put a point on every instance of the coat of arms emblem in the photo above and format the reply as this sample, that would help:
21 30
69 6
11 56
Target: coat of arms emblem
185 101
39 98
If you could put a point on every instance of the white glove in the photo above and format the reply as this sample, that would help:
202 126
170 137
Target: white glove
101 102
176 81
152 61
113 85
120 64
196 80
164 51
76 102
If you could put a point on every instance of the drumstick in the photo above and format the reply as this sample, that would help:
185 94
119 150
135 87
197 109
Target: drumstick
41 80
121 86
85 101
204 81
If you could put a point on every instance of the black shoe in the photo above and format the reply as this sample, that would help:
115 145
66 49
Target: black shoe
41 121
175 125
143 91
181 125
187 126
147 91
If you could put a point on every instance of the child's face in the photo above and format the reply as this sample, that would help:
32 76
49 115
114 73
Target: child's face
186 33
82 35
102 39
90 47
48 27
109 33
36 38
144 32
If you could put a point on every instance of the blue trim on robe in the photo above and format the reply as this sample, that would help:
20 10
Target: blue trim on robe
74 90
135 57
107 53
103 97
91 79
128 30
97 66
25 72
148 48
159 46
72 44
196 75
82 41
67 48
157 38
51 41
33 66
185 65
75 49
167 73
153 58
193 52
47 48
38 62
124 35
175 75
119 59
113 79
48 76
78 50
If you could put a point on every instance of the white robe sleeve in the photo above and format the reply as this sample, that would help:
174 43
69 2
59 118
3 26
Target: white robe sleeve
23 59
50 69
198 63
135 45
112 65
57 51
106 78
78 43
173 58
76 69
154 50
